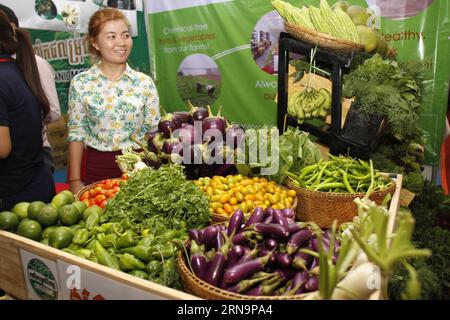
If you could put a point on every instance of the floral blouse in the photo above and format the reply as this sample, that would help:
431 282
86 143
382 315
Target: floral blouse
107 114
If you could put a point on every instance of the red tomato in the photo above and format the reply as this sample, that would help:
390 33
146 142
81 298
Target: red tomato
103 204
99 198
124 176
108 185
84 196
92 193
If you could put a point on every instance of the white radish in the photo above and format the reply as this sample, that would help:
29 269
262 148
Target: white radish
359 284
139 166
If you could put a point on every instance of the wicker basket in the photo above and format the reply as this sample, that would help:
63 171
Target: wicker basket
324 207
322 39
84 189
196 286
218 218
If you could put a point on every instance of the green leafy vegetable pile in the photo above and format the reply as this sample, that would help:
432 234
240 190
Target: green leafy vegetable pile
295 151
391 89
429 209
160 200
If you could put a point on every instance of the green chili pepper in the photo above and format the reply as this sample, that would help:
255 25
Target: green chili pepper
139 273
141 252
108 240
147 240
104 257
75 227
169 235
83 253
81 236
162 251
92 221
154 267
126 224
128 239
129 262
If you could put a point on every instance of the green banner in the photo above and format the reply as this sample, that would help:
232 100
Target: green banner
225 53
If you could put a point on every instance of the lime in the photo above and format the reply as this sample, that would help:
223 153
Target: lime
61 199
48 216
69 194
80 205
30 229
34 208
60 238
21 210
68 215
8 221
90 210
47 231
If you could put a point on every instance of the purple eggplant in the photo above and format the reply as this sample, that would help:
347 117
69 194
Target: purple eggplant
240 238
314 267
285 274
235 223
256 291
209 236
269 286
236 252
283 260
199 265
264 252
294 227
151 133
245 285
298 283
312 284
198 259
296 240
301 260
271 243
182 117
172 146
198 113
219 238
268 219
243 270
234 136
216 122
257 216
186 135
288 213
248 255
215 270
156 143
271 230
194 234
280 219
166 127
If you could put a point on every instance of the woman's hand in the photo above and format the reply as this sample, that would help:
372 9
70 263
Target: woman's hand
76 186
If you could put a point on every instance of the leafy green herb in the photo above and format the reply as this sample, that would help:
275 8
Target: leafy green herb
161 200
390 89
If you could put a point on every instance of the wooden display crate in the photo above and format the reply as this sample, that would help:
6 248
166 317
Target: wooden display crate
31 270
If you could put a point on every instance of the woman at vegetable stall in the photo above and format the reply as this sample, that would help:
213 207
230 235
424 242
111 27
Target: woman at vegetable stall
110 105
23 106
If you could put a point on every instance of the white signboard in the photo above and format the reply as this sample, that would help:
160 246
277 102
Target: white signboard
66 15
81 284
41 276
